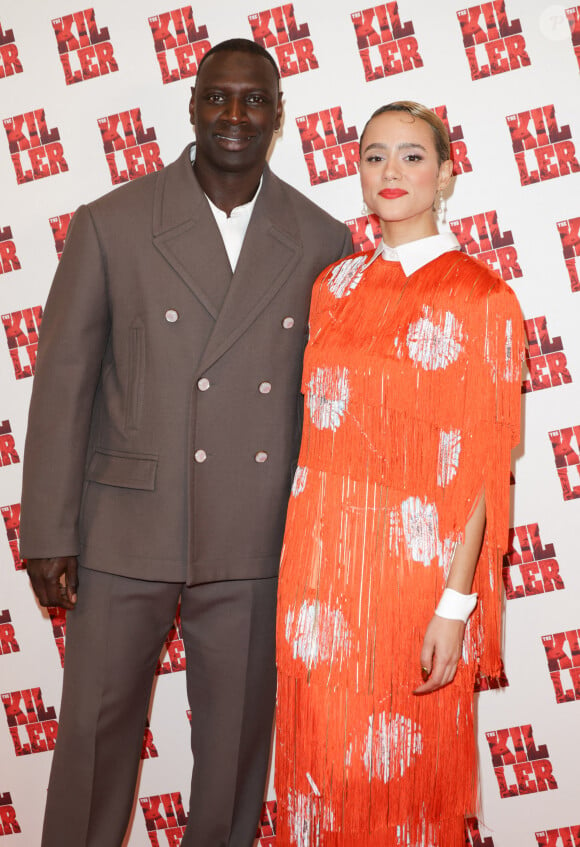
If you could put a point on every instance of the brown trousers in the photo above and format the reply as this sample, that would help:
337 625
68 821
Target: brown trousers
114 638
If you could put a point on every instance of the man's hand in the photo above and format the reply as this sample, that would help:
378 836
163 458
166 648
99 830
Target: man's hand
55 581
441 652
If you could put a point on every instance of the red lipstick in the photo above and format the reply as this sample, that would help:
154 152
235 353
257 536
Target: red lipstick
392 193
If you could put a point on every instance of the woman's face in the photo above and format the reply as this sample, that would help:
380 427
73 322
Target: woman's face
400 172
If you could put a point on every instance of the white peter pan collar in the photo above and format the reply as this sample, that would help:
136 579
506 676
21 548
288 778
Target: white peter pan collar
415 254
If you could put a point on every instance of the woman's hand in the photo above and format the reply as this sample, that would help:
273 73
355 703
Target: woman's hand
441 652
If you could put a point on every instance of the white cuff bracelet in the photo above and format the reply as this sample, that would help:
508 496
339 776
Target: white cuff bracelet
456 606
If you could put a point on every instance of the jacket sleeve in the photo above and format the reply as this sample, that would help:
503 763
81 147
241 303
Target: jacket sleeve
72 342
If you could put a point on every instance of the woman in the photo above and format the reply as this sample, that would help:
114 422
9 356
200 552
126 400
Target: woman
412 385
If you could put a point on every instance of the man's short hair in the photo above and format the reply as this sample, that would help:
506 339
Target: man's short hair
240 45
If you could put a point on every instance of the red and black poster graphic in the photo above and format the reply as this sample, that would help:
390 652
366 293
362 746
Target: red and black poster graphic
545 358
148 749
491 683
566 836
8 642
542 149
473 837
180 44
493 44
33 727
36 151
266 833
570 236
8 452
520 766
11 516
566 446
292 44
563 657
59 227
386 45
165 819
366 232
9 261
8 822
573 15
85 51
172 657
480 235
58 621
21 330
9 61
459 157
131 151
530 566
330 150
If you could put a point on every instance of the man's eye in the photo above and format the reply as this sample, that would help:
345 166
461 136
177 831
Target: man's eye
215 98
256 99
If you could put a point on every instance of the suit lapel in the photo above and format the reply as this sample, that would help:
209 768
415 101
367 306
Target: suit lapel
272 248
187 236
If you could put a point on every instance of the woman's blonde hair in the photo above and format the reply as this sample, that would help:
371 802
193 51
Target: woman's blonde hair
416 110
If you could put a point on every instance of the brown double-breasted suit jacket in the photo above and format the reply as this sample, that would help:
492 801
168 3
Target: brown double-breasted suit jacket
162 427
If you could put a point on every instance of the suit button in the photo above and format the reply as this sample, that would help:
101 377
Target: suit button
171 315
265 387
203 384
261 456
288 322
200 456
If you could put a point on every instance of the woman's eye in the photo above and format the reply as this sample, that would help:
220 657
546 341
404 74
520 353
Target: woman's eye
413 157
374 158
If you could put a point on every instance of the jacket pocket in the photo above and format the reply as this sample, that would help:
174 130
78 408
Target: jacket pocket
135 376
124 470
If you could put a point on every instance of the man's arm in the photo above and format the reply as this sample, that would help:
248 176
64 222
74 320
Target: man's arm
73 338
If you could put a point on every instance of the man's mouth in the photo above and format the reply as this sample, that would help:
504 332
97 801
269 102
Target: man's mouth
233 140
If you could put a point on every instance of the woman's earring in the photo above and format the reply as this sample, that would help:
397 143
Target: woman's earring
440 206
365 209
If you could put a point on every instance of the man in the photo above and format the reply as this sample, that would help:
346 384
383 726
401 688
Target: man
161 437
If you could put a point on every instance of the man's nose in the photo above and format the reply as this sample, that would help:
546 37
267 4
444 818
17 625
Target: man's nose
236 110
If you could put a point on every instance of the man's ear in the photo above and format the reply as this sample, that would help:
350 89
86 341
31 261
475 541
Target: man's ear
192 107
279 111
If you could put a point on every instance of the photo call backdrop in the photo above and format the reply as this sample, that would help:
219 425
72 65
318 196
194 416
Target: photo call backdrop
93 97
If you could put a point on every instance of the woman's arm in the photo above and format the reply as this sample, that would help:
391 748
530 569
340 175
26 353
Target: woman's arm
443 640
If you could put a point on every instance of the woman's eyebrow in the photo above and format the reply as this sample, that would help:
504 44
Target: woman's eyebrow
404 145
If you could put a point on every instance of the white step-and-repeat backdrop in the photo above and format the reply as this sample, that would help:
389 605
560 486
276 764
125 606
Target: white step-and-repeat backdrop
93 97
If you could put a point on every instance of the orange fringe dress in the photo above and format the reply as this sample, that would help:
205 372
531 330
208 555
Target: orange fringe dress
412 406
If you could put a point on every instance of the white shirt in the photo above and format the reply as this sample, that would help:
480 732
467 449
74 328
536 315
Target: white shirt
415 254
233 228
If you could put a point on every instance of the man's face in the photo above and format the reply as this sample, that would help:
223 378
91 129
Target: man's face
235 107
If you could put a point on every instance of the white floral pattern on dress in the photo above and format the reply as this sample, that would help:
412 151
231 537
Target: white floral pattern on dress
346 276
448 458
327 397
510 366
299 481
308 821
391 746
421 529
433 344
318 634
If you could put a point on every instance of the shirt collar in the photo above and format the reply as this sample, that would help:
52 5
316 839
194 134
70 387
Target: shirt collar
245 210
415 254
